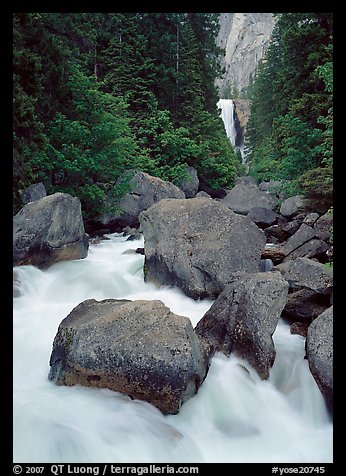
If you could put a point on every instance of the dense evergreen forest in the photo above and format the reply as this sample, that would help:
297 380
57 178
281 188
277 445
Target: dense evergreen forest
96 94
291 122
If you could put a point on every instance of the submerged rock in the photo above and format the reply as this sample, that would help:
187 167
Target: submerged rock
197 244
139 348
244 317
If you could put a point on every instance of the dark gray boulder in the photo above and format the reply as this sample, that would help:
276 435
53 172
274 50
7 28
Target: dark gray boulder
244 317
311 249
144 191
323 227
311 218
197 244
49 230
263 217
319 351
307 273
304 305
138 348
189 185
275 234
301 236
33 193
292 206
291 227
245 196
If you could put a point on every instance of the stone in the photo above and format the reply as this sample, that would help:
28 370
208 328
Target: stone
311 249
49 230
145 190
291 227
243 197
197 244
243 318
275 231
190 185
304 306
263 217
138 348
311 218
304 234
33 193
307 273
319 351
292 206
202 194
323 227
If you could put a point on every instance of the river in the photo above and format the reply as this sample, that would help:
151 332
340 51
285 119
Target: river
235 417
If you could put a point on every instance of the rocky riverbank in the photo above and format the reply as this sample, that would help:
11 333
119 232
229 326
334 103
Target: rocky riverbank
208 248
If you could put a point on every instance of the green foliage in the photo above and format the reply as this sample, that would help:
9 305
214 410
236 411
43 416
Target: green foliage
97 94
317 186
291 122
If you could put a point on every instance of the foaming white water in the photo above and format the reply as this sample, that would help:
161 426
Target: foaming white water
227 116
235 417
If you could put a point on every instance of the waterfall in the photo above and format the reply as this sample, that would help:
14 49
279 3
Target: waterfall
233 129
227 115
235 416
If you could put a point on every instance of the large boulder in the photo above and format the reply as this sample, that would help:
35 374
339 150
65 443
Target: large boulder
33 193
319 351
303 235
244 317
190 184
304 305
49 230
197 244
323 227
292 206
245 196
144 191
138 348
307 273
263 217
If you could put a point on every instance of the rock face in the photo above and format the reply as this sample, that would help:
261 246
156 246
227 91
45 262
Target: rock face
196 244
244 317
33 193
307 273
245 38
243 197
190 186
319 350
49 230
145 191
139 348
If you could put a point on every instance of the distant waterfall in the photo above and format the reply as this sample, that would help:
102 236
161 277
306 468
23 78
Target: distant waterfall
227 115
233 129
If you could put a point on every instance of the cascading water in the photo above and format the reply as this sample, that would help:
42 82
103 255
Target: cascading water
235 417
227 115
